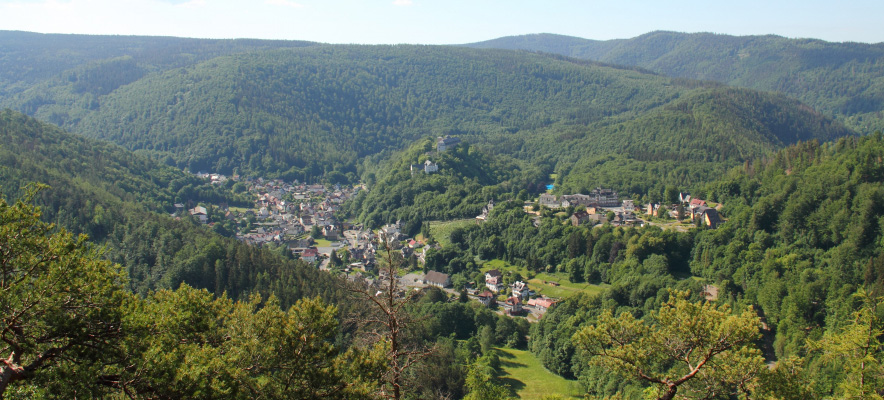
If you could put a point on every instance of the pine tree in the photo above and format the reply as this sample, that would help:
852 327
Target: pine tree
61 303
700 347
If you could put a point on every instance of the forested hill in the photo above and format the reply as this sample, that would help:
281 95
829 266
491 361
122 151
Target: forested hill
461 182
98 64
32 151
686 143
316 112
690 140
120 200
306 112
845 79
804 233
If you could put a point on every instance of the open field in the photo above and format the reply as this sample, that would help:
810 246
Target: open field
565 287
530 380
441 230
542 282
322 243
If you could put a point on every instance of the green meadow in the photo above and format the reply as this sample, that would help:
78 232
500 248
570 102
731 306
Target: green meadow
530 380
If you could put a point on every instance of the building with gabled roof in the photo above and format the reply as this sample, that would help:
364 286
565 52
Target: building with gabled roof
437 279
579 218
446 142
514 304
549 200
542 304
486 298
493 280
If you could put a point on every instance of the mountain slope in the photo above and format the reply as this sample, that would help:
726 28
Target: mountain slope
304 113
118 199
32 151
333 112
846 79
466 179
28 58
686 142
689 141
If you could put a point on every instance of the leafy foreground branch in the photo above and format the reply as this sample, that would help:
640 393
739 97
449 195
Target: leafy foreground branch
700 348
59 303
70 329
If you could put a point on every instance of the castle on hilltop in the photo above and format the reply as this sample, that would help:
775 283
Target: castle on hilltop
446 142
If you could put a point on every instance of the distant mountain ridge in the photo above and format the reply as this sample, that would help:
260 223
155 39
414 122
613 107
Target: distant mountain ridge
316 112
841 79
27 58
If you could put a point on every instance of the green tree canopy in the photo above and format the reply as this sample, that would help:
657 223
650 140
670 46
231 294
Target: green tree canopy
700 346
59 302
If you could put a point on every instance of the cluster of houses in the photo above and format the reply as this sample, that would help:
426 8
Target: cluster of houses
363 246
515 304
284 212
215 179
519 292
623 215
598 197
601 203
494 284
697 210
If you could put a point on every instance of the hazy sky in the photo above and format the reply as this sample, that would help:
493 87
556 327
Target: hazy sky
444 21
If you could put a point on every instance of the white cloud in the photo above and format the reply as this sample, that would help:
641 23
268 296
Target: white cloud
285 3
402 3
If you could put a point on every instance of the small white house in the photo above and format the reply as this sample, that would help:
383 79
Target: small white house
430 167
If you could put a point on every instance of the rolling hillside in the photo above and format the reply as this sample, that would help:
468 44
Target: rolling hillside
335 113
120 199
92 62
843 79
318 111
307 112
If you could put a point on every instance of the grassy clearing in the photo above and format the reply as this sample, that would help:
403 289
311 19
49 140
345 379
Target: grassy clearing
322 243
564 289
441 230
527 377
539 282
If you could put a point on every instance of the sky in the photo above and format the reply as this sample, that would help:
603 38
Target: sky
445 21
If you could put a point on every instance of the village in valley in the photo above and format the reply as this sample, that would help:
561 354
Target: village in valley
303 221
